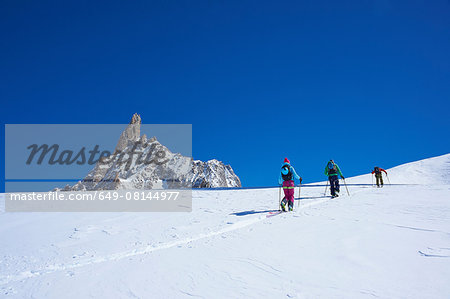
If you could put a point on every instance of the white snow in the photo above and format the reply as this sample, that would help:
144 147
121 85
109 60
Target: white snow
391 242
429 171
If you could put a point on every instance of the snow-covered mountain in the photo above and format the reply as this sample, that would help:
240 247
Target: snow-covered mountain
155 166
391 242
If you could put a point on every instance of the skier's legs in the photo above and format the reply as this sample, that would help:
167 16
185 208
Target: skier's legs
332 188
290 196
337 187
381 179
283 203
334 184
288 187
291 205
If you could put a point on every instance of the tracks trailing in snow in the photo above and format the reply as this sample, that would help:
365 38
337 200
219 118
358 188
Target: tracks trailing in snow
56 267
231 226
118 256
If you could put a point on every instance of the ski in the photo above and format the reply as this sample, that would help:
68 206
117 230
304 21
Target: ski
271 214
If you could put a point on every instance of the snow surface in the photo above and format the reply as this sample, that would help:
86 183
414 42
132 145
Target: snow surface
434 171
391 242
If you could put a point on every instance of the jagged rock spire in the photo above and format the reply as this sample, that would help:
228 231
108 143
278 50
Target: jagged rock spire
131 133
177 171
135 119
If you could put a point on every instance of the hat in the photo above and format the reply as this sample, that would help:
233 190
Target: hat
286 160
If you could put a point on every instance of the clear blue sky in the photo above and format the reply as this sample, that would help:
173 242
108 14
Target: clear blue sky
362 82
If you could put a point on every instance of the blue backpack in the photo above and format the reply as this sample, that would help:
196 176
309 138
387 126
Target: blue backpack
331 168
286 173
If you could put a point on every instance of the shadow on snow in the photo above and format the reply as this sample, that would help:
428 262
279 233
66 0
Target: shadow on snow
245 213
252 212
313 197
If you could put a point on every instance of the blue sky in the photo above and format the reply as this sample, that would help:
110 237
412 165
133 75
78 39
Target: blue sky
362 82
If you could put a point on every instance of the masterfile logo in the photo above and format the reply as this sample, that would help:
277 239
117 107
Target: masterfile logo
42 157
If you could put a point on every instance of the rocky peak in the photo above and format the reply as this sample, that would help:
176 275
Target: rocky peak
177 171
135 119
131 133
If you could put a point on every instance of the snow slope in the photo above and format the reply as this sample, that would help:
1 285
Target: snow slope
428 171
392 242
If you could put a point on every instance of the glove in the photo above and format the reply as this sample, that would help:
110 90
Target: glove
301 180
342 177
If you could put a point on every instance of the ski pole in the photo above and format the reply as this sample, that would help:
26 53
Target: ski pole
299 188
326 187
388 179
346 187
372 179
279 200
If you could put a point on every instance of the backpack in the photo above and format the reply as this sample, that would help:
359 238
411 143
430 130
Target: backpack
288 175
377 170
331 168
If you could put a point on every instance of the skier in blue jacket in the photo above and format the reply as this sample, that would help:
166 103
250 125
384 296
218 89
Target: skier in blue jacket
286 178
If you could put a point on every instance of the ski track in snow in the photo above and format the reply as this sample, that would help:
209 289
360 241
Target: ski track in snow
141 251
435 252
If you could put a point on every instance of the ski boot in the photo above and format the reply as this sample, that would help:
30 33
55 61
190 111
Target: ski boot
283 206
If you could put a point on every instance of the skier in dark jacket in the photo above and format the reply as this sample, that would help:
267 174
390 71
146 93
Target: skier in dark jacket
378 175
287 176
332 170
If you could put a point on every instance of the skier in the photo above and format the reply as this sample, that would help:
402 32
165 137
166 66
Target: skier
378 175
286 178
332 170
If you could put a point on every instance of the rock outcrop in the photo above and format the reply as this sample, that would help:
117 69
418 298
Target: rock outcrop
142 163
131 133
